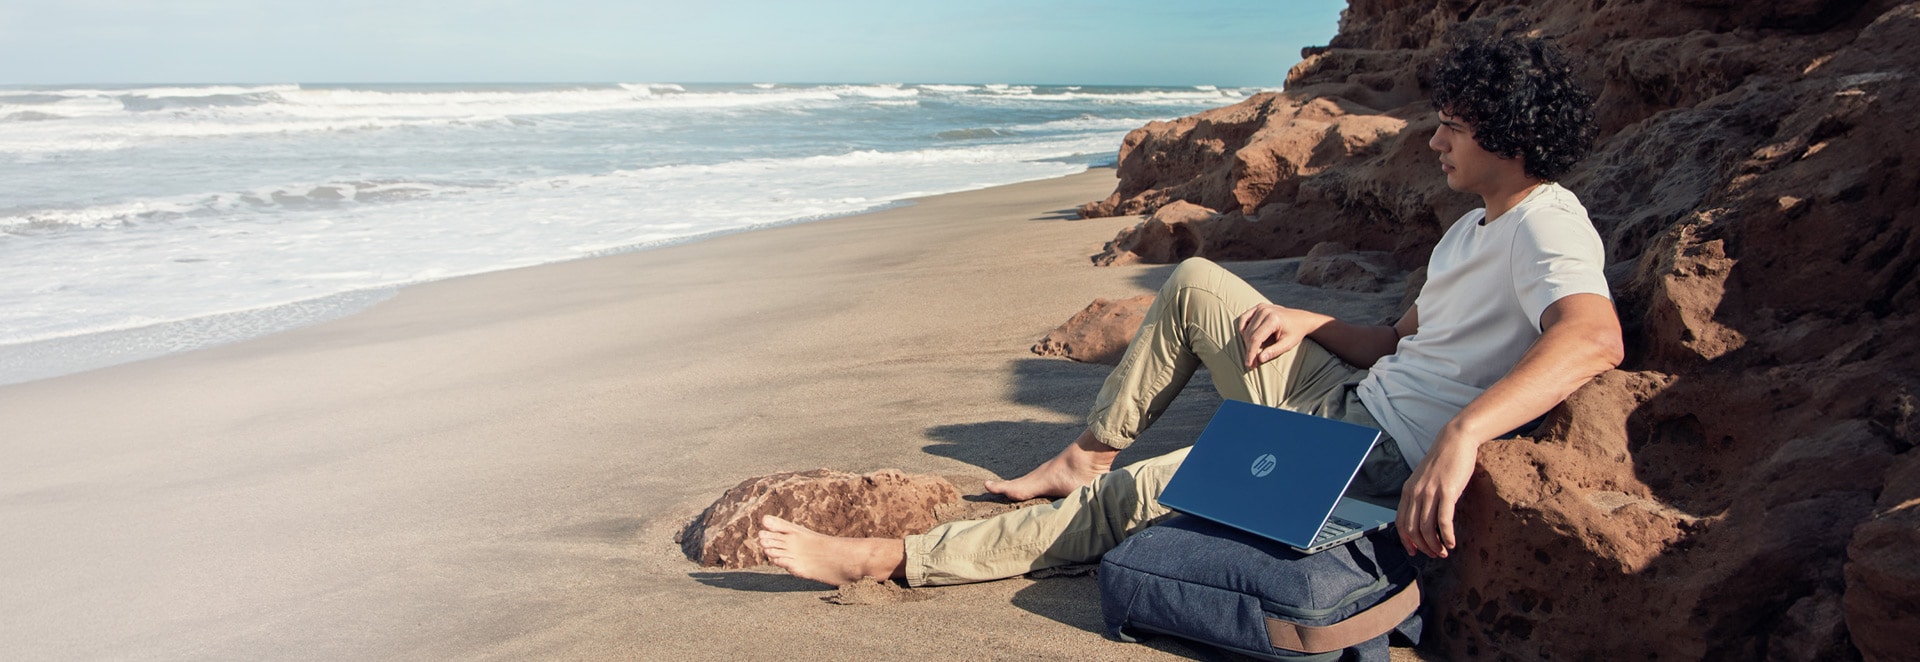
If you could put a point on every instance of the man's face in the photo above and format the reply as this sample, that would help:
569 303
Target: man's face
1469 168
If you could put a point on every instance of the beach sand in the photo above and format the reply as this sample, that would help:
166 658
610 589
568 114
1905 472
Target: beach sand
495 466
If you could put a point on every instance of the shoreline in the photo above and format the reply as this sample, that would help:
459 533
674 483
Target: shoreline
47 358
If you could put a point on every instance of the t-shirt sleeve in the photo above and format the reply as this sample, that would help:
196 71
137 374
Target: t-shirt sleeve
1556 253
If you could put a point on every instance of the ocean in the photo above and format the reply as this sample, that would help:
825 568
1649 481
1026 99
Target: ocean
141 221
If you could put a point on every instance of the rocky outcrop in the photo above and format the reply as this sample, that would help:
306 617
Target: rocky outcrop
1741 488
1098 334
1262 168
884 504
1171 234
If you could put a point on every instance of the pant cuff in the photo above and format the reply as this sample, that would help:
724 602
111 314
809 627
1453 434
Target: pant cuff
1103 434
917 548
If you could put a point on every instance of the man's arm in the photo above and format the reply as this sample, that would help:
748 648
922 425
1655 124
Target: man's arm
1269 330
1580 338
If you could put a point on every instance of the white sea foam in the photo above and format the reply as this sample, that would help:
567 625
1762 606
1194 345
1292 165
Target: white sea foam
65 106
1164 96
273 199
239 201
167 254
93 137
892 91
1082 123
278 109
126 213
666 87
100 120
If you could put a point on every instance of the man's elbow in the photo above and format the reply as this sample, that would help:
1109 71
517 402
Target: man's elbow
1607 349
1613 352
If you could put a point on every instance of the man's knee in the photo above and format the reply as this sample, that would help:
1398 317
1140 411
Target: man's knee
1193 271
1201 275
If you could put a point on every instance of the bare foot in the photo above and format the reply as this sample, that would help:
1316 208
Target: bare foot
1076 466
830 559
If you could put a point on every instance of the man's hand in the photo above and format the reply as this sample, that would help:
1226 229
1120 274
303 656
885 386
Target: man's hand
1269 330
1427 500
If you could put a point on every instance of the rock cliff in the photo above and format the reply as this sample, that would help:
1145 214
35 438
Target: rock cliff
1743 487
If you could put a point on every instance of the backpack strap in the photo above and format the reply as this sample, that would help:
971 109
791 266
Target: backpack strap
1372 622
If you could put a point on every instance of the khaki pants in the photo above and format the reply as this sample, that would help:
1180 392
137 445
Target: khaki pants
1191 324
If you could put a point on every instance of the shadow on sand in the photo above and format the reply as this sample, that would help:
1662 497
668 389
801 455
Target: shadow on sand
1010 448
758 582
1068 214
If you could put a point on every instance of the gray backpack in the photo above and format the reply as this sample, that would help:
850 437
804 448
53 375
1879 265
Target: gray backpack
1217 585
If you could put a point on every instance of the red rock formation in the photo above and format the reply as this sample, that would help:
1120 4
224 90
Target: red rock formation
1098 334
1263 164
885 504
1171 234
1729 493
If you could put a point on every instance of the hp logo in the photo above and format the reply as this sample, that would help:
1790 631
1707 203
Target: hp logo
1264 465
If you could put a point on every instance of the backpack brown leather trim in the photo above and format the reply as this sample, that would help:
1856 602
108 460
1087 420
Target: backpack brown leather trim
1373 622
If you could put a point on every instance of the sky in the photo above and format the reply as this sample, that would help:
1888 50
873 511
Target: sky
1117 42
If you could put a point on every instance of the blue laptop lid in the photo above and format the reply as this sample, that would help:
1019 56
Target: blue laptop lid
1269 471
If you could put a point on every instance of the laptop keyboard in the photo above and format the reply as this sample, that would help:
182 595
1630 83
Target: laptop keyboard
1334 528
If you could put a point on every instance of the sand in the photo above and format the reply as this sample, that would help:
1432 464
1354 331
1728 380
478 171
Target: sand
494 466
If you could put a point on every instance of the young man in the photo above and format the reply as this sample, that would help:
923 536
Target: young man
1515 315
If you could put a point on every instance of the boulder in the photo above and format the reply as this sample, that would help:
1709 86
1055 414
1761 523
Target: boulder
1098 334
1170 234
883 504
1330 264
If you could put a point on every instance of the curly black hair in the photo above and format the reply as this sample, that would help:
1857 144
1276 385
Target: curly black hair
1521 98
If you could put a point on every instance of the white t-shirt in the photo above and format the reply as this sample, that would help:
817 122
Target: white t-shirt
1487 286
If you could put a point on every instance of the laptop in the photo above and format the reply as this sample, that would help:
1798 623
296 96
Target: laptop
1278 474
